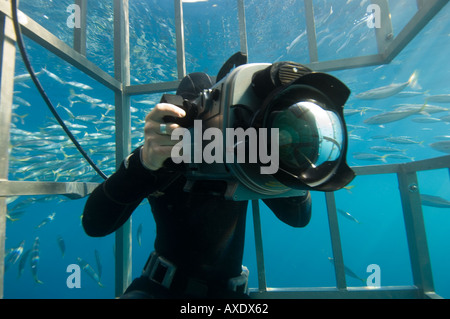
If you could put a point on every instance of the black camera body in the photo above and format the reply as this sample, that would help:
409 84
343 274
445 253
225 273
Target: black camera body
300 113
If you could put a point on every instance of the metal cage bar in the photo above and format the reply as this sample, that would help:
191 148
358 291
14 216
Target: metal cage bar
336 245
7 64
416 237
123 258
79 34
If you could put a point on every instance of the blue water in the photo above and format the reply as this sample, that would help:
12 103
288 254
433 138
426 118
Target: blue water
293 257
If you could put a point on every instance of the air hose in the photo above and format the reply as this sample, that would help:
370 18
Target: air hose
20 44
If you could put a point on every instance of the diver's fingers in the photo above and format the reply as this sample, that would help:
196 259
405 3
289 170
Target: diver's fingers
164 109
153 127
156 139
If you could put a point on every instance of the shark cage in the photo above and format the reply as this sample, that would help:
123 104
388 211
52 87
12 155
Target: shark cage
357 41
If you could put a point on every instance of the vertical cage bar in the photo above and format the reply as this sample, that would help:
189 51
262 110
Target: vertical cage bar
179 29
7 65
79 34
336 241
311 31
415 231
259 246
123 139
420 4
242 27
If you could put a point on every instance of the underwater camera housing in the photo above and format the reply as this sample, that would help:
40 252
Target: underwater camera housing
305 106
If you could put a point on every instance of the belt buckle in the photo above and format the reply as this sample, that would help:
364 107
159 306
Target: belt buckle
162 272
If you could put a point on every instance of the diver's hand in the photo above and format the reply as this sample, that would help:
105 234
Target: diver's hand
158 146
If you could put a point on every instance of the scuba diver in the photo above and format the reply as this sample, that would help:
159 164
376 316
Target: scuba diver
199 235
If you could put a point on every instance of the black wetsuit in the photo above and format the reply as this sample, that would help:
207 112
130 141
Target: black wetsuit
203 235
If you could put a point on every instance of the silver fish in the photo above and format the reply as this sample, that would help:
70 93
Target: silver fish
295 42
13 255
348 271
369 157
434 201
401 157
34 261
139 235
47 219
441 98
61 244
445 118
348 215
387 91
442 146
402 140
99 264
24 77
82 98
386 149
23 261
426 119
53 76
389 117
79 85
89 270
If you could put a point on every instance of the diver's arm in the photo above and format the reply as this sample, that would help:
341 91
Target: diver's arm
113 201
294 211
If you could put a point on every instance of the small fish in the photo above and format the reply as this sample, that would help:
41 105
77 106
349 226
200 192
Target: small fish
350 112
295 42
442 146
387 91
79 85
54 76
47 219
348 271
82 98
442 137
24 77
34 261
408 94
441 98
434 201
369 157
402 140
13 255
386 149
401 157
445 118
426 119
348 215
89 270
146 102
139 235
21 101
99 264
391 116
23 262
61 245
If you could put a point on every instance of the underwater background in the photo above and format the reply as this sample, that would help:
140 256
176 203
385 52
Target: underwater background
372 231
